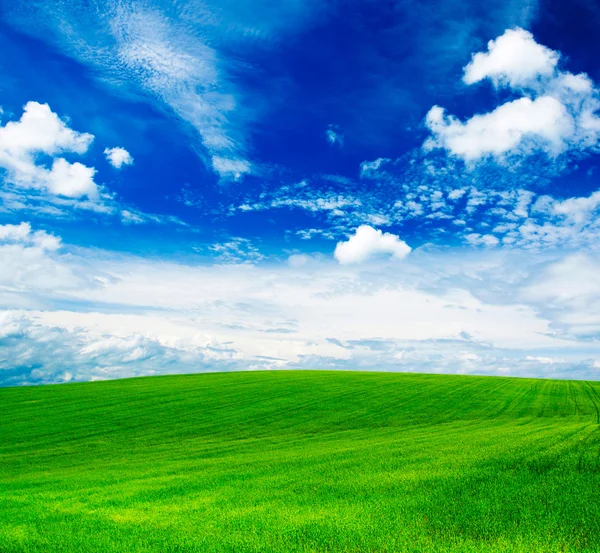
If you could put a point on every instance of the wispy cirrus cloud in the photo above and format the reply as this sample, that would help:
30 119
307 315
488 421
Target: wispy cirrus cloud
179 56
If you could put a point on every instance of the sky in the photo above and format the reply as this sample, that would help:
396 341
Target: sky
200 186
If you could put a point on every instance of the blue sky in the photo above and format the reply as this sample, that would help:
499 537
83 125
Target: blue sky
192 186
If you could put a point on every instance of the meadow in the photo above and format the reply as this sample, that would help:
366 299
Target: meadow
314 461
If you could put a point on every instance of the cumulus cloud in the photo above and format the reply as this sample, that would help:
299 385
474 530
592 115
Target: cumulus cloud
524 124
118 157
23 234
41 131
368 242
557 113
514 59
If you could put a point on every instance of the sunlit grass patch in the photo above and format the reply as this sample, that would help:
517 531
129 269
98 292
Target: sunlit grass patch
301 462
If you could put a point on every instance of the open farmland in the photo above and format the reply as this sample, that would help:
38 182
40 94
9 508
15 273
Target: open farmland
287 462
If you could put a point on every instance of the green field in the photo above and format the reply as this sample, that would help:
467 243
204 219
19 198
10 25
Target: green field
301 461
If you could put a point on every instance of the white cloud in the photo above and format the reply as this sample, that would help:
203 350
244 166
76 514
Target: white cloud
367 242
519 126
72 180
40 131
118 157
177 56
17 233
180 70
370 168
106 316
482 239
334 136
556 114
38 351
236 250
30 260
298 260
230 168
22 234
456 194
544 360
514 59
578 210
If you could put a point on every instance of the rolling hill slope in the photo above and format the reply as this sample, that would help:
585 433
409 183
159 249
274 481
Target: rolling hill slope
301 462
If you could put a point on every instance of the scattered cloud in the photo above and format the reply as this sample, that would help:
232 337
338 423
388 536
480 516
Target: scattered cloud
475 239
236 250
303 195
118 157
370 168
38 180
180 57
334 136
556 112
40 132
368 242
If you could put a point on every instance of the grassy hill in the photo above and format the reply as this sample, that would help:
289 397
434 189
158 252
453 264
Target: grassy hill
301 462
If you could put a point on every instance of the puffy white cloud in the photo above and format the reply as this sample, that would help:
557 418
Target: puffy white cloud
40 131
118 157
522 125
72 180
22 234
367 242
514 59
16 233
558 114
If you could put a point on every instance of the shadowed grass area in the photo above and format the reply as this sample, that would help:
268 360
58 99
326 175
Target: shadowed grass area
301 462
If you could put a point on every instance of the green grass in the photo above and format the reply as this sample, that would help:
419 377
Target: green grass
301 462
